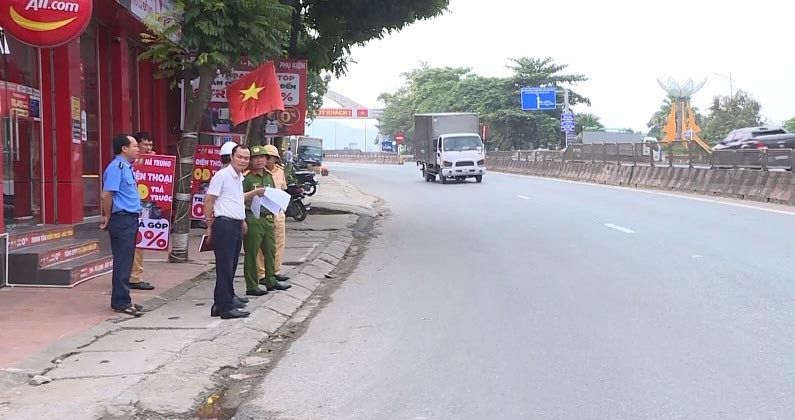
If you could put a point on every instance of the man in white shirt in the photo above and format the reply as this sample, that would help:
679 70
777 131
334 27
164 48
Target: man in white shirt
225 213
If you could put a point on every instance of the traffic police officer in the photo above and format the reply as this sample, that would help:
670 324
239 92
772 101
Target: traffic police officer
278 174
260 235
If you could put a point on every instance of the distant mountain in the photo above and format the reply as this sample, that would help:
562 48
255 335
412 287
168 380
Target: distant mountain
341 134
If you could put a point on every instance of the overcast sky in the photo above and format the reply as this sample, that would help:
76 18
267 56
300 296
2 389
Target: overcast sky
623 47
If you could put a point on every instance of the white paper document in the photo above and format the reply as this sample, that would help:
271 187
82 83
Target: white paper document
256 206
278 197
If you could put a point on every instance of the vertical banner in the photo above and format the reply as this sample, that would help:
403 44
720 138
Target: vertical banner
292 81
155 177
207 161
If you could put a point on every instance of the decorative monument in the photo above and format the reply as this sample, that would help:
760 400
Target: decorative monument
681 125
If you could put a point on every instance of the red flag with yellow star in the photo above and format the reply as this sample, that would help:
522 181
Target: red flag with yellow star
254 94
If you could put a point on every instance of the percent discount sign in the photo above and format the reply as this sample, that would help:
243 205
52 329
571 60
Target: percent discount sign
155 177
207 161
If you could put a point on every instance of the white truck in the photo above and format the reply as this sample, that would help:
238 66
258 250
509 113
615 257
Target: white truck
307 152
448 146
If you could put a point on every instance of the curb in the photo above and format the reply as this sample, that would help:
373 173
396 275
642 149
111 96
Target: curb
221 350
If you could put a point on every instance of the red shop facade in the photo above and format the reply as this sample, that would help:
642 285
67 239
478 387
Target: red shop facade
60 107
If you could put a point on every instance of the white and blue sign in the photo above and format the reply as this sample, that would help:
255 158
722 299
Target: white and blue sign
567 122
386 146
538 98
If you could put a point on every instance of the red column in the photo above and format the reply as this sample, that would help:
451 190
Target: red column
145 94
120 82
162 100
63 183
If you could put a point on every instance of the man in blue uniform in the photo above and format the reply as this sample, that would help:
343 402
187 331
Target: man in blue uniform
121 207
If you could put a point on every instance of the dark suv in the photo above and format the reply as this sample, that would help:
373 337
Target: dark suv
757 138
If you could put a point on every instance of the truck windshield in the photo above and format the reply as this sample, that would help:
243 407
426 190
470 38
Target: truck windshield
310 153
460 144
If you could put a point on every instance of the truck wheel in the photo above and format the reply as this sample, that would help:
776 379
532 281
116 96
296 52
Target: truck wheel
478 178
443 179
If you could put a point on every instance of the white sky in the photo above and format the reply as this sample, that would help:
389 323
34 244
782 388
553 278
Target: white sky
622 46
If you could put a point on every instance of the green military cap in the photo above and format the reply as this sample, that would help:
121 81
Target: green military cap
258 151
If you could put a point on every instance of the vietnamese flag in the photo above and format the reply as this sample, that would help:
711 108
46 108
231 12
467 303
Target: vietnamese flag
254 94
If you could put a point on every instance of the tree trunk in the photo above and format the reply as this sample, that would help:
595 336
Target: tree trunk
196 106
295 30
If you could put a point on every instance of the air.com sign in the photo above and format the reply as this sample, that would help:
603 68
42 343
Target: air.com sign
45 23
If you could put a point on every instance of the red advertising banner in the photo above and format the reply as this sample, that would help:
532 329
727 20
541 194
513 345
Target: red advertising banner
334 113
207 161
292 81
291 75
21 100
155 176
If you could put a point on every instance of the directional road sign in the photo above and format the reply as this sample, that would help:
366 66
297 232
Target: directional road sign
567 122
538 98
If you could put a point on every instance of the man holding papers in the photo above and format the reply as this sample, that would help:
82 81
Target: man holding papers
261 234
277 172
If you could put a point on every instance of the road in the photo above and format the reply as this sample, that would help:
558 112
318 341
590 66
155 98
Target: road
529 298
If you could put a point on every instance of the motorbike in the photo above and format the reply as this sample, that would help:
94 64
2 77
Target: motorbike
308 180
297 209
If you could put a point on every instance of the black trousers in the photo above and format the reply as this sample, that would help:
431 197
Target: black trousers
227 241
122 229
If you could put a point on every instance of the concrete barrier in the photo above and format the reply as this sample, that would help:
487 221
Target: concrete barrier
747 184
784 190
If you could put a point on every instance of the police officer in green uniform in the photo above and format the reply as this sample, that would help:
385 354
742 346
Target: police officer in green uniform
260 233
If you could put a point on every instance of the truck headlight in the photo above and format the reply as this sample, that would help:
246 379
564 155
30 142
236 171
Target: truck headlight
481 162
447 164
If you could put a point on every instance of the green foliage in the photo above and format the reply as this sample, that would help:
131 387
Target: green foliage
324 31
727 114
215 34
587 121
790 125
316 86
496 100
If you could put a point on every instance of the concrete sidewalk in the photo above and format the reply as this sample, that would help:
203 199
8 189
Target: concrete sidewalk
99 364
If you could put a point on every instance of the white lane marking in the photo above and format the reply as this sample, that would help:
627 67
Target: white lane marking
619 228
523 197
683 195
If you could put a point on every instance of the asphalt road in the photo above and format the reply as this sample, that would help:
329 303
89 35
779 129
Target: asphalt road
528 298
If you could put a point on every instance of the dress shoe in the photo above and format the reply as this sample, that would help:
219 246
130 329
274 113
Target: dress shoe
280 277
242 299
142 285
214 311
263 281
238 304
256 292
234 313
279 286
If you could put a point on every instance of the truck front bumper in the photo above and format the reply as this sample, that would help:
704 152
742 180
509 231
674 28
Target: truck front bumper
466 171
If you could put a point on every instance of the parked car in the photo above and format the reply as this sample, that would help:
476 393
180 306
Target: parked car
757 138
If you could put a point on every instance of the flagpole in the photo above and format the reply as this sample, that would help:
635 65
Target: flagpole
248 133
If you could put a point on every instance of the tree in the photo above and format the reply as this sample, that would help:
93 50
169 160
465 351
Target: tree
587 122
727 114
204 37
200 39
790 125
496 100
323 32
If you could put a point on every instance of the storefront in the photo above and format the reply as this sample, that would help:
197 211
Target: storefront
61 106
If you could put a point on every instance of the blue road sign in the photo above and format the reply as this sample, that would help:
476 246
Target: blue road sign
386 146
567 122
538 98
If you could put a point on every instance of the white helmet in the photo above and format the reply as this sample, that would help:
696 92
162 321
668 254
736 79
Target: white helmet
226 149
